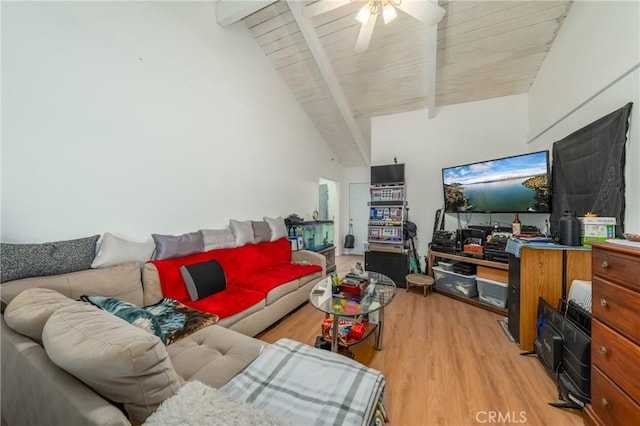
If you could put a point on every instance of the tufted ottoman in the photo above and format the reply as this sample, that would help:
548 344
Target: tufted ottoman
213 355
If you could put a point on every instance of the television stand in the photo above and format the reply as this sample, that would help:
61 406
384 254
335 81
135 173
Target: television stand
494 269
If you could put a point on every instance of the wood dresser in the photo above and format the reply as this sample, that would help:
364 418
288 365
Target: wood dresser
615 335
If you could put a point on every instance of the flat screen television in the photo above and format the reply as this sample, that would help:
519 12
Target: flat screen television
388 174
517 184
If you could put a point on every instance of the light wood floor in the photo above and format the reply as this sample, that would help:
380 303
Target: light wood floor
445 363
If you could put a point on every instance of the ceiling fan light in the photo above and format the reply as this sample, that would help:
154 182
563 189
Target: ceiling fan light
389 13
363 15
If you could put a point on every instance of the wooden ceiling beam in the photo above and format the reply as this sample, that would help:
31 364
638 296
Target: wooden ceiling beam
432 58
229 12
324 65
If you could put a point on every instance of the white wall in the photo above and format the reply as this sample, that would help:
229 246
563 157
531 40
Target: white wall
598 43
458 134
145 117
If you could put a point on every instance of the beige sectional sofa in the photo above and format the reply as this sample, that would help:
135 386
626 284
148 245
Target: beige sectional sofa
52 381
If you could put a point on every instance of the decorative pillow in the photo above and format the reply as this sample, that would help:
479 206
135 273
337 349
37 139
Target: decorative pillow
119 361
277 226
218 238
168 246
36 260
129 312
120 281
114 250
29 311
242 231
178 320
261 231
203 279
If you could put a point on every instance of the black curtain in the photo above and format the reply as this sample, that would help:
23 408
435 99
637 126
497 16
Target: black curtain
588 170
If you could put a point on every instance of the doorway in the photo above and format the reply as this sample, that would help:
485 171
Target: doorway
358 216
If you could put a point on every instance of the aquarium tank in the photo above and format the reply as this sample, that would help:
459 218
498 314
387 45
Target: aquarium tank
316 235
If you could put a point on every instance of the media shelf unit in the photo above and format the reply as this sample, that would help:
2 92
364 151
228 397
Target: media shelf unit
387 252
493 270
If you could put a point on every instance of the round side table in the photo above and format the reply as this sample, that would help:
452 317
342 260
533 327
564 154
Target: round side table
424 281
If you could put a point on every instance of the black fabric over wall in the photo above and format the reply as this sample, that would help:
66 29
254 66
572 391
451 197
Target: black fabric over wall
588 170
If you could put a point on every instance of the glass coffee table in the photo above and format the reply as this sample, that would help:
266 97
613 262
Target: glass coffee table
379 293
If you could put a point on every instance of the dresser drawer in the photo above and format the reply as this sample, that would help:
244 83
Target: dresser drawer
611 404
616 356
617 307
616 267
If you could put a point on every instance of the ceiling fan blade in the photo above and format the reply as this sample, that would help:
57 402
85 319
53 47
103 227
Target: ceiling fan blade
366 30
424 11
322 6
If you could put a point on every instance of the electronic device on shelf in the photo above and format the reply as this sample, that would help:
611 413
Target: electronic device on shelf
444 242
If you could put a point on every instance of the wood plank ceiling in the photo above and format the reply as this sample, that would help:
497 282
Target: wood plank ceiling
485 49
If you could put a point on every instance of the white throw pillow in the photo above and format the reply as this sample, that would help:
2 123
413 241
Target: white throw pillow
218 238
114 250
120 361
242 231
278 228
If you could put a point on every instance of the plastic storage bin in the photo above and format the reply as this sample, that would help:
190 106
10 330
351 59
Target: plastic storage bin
446 266
492 292
463 285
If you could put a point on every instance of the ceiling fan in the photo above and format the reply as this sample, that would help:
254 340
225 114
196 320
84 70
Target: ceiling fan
422 10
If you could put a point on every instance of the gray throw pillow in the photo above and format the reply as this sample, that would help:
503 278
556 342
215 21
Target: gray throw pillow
37 260
203 279
261 231
168 246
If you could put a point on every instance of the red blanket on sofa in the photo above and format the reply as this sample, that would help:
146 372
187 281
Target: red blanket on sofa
251 271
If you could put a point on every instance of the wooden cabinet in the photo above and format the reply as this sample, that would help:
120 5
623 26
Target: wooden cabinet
615 335
545 273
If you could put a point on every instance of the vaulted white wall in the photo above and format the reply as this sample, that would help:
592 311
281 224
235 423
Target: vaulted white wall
459 134
594 59
145 117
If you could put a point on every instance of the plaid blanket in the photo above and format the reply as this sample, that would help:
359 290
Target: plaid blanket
309 386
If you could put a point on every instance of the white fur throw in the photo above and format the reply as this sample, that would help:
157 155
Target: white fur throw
197 404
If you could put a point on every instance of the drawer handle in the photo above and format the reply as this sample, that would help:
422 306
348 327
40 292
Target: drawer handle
603 303
603 350
604 402
604 263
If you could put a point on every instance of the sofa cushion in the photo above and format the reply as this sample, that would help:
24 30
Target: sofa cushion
203 279
213 355
274 276
261 231
277 226
218 238
168 246
243 231
115 250
120 281
121 362
129 312
53 258
29 311
228 302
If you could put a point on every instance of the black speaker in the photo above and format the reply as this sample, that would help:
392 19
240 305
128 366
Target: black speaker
393 265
